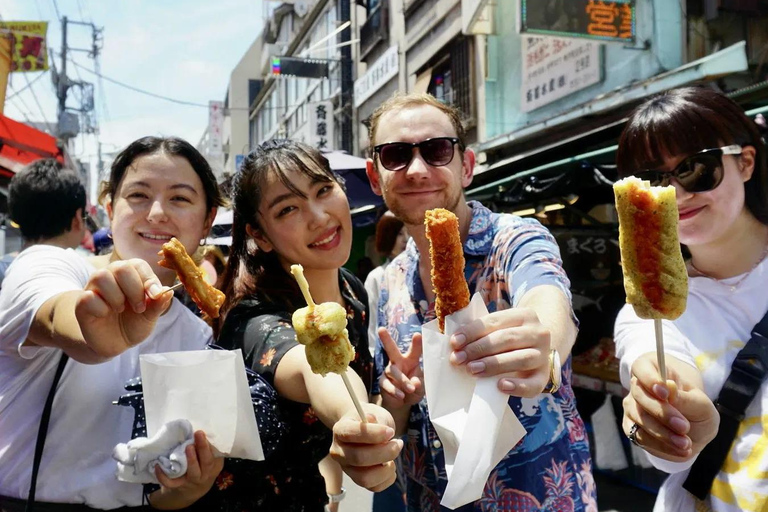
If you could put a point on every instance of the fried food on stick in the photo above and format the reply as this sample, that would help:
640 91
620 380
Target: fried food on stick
207 298
322 329
447 256
655 277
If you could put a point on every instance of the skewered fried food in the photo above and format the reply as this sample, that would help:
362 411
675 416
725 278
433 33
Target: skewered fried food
207 298
655 277
321 328
447 256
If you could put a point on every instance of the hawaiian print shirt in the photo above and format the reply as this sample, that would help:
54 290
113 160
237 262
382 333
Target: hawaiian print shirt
550 469
289 479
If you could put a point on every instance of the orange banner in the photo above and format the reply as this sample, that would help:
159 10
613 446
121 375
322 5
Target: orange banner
29 51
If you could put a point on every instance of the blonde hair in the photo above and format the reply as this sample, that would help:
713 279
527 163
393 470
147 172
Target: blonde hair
400 101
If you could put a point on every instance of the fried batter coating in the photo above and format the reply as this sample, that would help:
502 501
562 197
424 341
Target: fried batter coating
447 256
322 329
207 298
655 277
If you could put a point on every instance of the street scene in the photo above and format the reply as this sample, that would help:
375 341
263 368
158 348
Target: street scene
383 255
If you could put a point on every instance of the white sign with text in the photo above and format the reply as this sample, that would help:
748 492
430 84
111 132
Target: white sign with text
554 68
382 71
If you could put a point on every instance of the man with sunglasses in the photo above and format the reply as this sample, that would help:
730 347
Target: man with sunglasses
420 162
47 201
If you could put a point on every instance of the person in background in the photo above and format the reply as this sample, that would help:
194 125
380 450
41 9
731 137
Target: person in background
701 143
420 161
92 318
391 238
47 202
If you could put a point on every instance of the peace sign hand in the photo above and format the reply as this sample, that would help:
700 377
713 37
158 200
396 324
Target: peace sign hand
402 381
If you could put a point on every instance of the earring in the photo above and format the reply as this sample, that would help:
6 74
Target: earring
202 242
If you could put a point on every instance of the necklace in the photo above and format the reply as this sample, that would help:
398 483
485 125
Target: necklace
735 285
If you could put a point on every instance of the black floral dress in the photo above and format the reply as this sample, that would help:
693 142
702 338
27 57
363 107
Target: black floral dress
289 479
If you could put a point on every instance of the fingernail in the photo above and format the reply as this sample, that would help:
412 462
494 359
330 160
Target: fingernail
458 340
399 394
389 432
140 307
476 366
660 391
399 444
680 441
679 424
459 357
155 290
506 385
410 387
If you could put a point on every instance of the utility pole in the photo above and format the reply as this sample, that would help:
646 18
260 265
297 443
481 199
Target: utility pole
347 84
62 86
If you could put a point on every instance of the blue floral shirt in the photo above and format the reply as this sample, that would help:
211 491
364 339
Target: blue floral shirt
550 468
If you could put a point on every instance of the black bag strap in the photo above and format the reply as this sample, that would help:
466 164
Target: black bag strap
42 432
748 372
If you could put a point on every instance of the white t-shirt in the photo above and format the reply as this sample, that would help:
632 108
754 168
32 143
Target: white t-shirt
372 287
717 323
77 464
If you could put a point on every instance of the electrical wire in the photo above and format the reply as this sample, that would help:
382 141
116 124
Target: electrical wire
28 85
42 112
56 8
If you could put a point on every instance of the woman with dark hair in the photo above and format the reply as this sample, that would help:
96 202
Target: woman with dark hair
87 321
703 144
290 208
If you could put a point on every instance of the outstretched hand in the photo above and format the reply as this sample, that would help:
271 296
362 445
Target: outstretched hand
676 419
120 306
366 451
402 383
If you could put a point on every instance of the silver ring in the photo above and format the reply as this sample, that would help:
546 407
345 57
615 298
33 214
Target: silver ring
633 434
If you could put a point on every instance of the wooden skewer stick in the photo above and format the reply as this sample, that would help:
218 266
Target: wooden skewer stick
660 348
298 273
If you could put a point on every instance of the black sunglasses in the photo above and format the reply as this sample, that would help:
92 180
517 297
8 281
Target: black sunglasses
701 172
396 156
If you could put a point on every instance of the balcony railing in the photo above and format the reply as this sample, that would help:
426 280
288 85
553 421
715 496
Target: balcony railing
375 29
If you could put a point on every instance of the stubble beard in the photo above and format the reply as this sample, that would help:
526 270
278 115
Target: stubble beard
416 218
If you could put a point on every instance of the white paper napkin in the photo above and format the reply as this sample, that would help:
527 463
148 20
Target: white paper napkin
471 416
208 388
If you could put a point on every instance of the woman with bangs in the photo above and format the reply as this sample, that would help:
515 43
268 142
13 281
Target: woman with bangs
702 144
85 322
290 208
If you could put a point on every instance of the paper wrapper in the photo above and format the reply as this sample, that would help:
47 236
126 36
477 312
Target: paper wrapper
210 389
471 416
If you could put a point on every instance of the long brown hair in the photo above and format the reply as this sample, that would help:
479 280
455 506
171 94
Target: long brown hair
251 271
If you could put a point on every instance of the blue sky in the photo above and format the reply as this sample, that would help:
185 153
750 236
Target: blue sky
185 49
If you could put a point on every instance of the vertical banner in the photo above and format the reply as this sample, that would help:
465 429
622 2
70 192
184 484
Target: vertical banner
321 125
29 51
215 128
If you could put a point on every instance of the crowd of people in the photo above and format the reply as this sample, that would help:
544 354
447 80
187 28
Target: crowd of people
72 328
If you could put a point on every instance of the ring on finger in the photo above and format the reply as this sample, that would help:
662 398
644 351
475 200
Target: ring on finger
632 436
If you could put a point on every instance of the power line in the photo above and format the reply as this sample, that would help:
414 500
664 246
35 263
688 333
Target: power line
42 112
56 7
29 84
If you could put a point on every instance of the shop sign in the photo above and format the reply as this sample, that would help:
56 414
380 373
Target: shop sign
554 68
609 20
382 71
321 124
215 128
28 47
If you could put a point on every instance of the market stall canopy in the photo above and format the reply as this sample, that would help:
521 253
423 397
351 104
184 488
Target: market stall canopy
21 144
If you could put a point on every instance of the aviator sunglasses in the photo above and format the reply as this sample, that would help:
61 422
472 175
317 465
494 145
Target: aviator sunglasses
396 156
701 172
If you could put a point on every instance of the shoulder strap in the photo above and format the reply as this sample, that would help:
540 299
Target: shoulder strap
42 432
748 372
